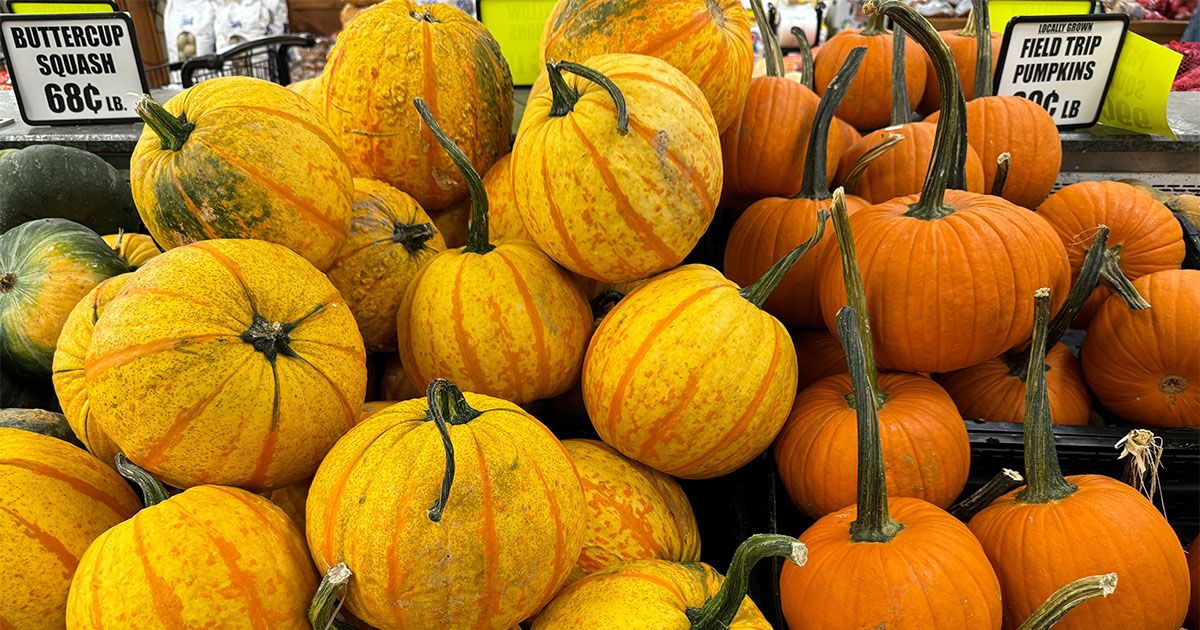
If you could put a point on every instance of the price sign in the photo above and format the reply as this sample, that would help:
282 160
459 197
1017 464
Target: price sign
73 69
1063 63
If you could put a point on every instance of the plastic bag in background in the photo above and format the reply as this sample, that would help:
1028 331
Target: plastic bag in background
239 21
188 26
470 7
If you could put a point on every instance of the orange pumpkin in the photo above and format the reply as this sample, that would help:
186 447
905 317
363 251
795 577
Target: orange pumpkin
231 361
1145 365
134 249
236 157
818 354
54 500
505 527
395 51
617 192
634 511
708 40
962 45
866 106
1057 529
390 238
902 170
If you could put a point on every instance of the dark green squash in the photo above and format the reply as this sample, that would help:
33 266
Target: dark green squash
39 421
47 180
26 393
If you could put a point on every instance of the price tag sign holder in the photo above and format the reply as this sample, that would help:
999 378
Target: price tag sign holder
103 95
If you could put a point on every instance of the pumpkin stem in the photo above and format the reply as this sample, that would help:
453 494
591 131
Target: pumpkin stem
958 177
772 54
565 96
945 158
720 609
806 58
447 407
761 289
864 161
856 294
1046 481
477 229
983 48
1067 598
968 29
172 131
901 112
1113 277
1002 163
153 491
1004 482
413 236
873 524
815 184
875 26
606 300
325 602
8 281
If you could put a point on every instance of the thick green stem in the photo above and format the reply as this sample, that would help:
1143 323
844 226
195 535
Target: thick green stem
815 184
172 131
856 294
983 48
761 289
477 229
1115 279
873 524
153 491
1067 598
864 161
720 609
806 58
447 407
901 112
946 157
875 26
1004 482
323 608
1002 163
772 54
1045 479
564 97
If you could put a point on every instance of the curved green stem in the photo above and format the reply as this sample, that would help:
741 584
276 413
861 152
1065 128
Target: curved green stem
171 131
761 289
447 407
153 491
1045 479
958 177
772 54
322 609
856 294
1115 279
1002 163
806 58
1067 598
564 96
477 229
864 161
1004 482
815 184
901 112
720 609
873 524
983 48
875 26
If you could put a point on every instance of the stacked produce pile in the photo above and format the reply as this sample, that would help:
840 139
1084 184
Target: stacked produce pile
376 217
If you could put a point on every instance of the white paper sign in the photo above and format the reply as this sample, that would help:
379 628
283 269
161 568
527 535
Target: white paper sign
73 69
1063 63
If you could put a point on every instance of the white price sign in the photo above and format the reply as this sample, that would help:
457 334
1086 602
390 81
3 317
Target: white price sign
1063 63
73 69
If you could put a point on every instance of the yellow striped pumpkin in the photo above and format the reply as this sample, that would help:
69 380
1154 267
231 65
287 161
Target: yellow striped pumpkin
236 157
54 500
505 527
227 361
504 222
610 192
313 91
134 249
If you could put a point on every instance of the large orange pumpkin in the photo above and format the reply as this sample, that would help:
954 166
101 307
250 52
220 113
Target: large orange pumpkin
230 361
1145 365
708 40
617 192
1058 529
236 157
54 500
866 105
395 51
501 319
505 527
390 238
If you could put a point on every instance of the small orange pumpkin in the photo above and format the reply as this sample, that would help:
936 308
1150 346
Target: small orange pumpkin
818 354
866 106
962 44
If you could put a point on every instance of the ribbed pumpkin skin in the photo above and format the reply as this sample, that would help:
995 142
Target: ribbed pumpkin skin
868 102
509 323
932 576
54 500
901 171
611 207
949 293
848 134
1105 526
313 91
213 557
69 381
53 264
642 594
1150 237
818 354
634 511
708 40
440 54
181 393
1145 365
688 377
925 446
963 49
380 257
504 220
989 392
511 531
998 124
764 149
134 249
261 163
